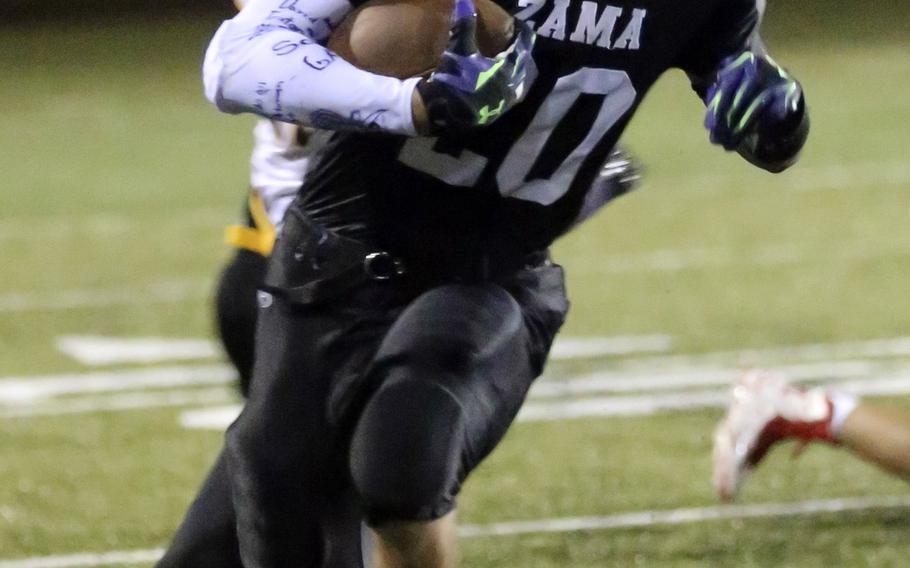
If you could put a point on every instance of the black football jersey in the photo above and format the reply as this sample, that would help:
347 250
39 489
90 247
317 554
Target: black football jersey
519 183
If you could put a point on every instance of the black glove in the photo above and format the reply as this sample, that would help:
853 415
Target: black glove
758 109
467 89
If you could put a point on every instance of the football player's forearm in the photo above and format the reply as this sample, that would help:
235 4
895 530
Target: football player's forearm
881 435
263 62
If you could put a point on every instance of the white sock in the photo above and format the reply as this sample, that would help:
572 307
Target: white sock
842 405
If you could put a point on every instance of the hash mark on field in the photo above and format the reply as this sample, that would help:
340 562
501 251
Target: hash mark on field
30 389
121 402
637 519
217 418
590 347
98 350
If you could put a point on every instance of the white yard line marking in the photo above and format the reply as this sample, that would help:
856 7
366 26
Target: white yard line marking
161 292
892 384
218 418
683 516
588 347
864 349
649 374
121 402
660 379
598 407
636 519
96 350
24 389
86 559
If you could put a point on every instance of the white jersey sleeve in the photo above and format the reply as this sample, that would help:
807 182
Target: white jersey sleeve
268 60
279 163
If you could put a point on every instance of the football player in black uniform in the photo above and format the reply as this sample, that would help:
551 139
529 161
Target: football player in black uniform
207 537
411 301
279 161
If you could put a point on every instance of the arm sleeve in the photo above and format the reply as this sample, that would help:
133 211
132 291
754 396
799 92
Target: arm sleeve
268 60
731 28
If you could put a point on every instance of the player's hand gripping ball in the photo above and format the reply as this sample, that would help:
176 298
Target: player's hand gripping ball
752 97
475 62
468 89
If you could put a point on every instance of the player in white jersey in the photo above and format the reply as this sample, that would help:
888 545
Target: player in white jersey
277 167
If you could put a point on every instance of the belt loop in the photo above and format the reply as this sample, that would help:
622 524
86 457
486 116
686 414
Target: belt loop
382 266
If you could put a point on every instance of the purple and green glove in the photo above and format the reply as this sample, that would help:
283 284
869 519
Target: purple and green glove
758 109
467 89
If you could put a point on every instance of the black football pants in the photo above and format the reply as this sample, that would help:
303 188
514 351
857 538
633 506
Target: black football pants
370 406
207 537
236 310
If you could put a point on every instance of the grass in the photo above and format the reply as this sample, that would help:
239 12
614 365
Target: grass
119 177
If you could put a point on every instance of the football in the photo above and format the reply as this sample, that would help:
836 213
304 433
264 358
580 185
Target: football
405 38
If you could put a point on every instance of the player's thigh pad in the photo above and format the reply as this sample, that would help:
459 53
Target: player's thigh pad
451 373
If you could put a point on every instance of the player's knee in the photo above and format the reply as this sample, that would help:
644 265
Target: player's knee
406 452
432 356
438 359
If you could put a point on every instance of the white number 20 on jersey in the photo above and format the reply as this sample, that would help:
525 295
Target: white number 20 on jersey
466 169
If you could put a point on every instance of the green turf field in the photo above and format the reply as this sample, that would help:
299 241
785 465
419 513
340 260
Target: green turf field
117 180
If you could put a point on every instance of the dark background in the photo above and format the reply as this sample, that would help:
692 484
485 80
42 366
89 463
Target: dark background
25 11
854 21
